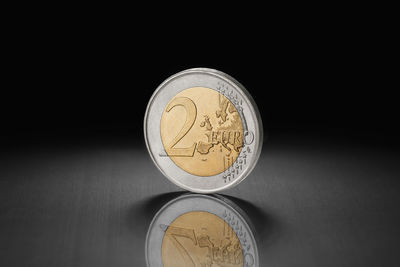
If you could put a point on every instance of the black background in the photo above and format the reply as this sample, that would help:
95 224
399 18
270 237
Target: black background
77 186
307 72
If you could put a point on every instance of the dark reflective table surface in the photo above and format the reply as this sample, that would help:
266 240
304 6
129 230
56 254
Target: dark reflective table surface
312 201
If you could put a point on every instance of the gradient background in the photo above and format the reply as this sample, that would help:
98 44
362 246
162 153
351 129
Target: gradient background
77 187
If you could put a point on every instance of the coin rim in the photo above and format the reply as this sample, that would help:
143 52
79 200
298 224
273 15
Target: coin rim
258 122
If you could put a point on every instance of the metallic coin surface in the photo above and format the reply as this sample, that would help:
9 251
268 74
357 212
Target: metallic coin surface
203 130
201 230
211 144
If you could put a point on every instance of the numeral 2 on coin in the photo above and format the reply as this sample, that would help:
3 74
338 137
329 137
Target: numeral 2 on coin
191 113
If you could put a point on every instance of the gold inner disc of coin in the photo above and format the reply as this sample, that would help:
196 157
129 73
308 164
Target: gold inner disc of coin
201 238
201 131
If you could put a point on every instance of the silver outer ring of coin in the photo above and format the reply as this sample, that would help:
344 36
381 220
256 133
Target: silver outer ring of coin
194 202
239 97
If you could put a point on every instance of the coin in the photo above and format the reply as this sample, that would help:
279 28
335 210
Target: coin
203 130
201 230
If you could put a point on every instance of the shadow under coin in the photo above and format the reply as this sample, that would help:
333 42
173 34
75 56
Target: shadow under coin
201 230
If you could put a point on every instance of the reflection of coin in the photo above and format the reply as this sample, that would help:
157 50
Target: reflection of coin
200 230
203 130
204 235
